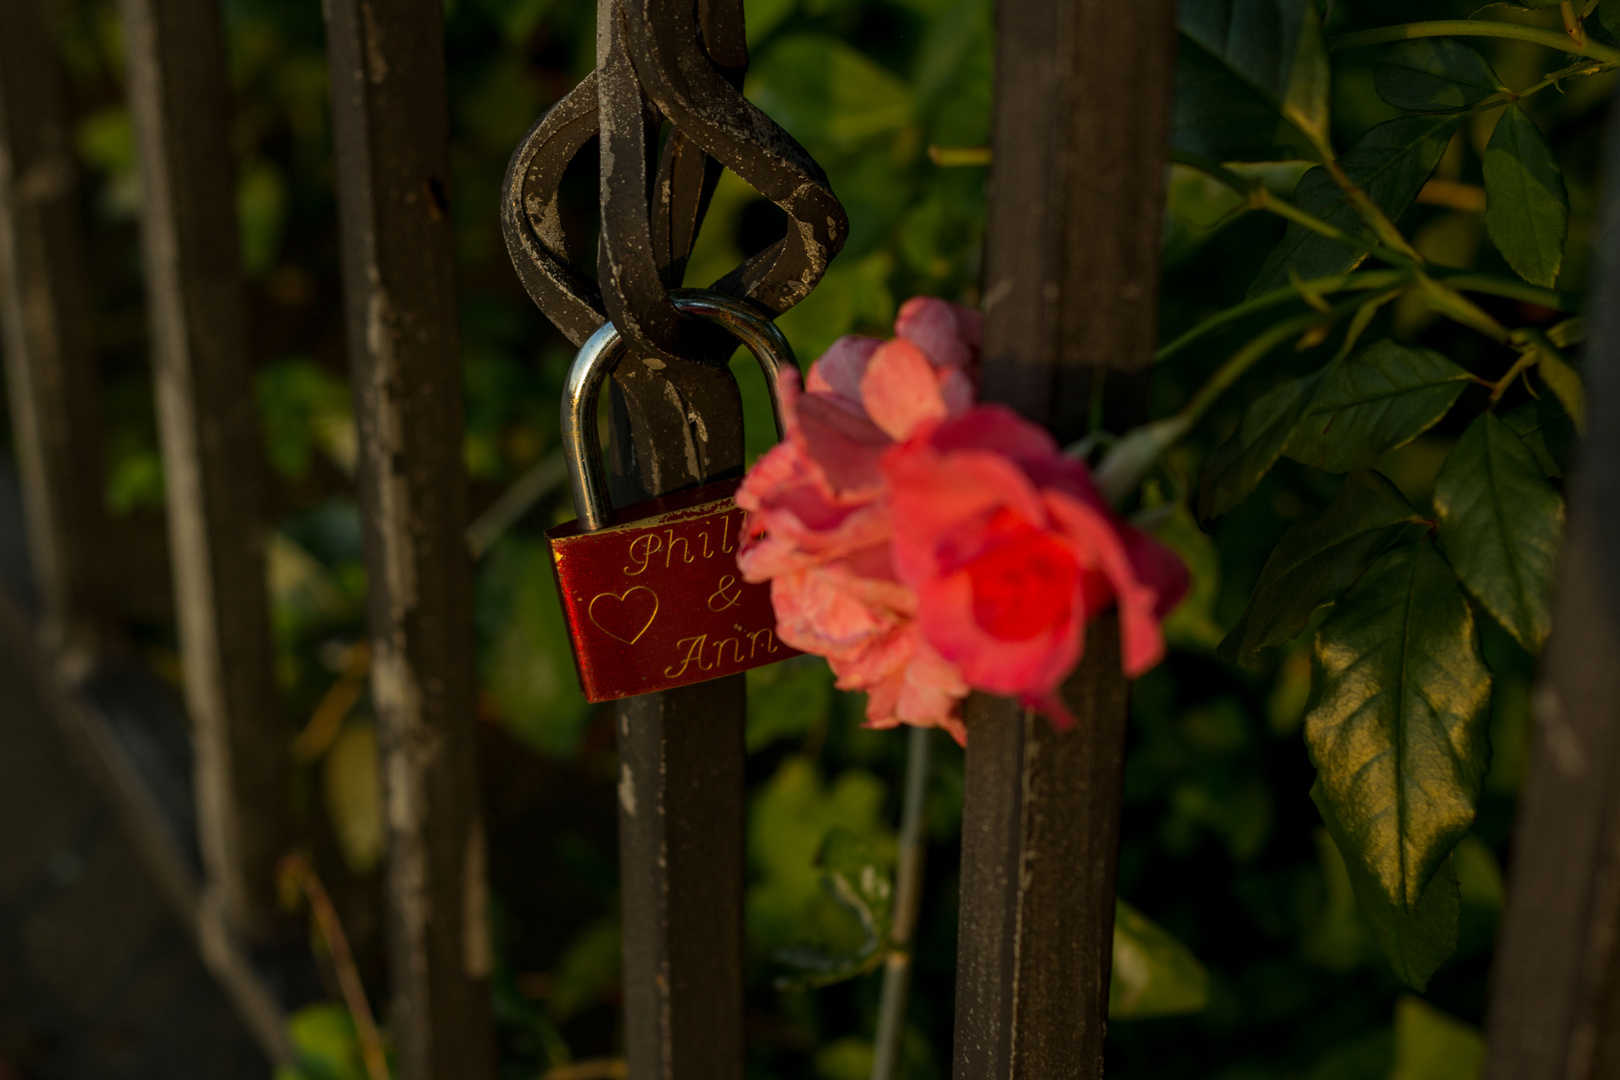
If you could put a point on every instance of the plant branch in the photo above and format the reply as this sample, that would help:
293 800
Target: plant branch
335 705
1363 281
296 872
1572 23
1552 39
891 1026
1490 285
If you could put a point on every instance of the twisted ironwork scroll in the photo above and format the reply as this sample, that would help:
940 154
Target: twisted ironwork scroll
680 61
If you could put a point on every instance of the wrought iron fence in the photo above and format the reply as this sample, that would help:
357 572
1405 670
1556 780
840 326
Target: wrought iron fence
1083 100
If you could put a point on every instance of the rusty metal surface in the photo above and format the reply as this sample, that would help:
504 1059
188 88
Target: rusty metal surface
212 450
391 126
654 65
1070 289
45 330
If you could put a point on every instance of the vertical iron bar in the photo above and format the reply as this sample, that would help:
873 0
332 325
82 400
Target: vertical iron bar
682 757
1555 1002
50 360
1071 288
180 94
676 422
390 120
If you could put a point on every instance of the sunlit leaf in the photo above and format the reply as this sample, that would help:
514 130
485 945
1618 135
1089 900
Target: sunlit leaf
1391 164
1435 75
1381 398
1153 974
1317 560
1565 383
1415 941
324 1039
1500 525
1526 207
1244 64
352 786
1429 1045
1398 728
849 1058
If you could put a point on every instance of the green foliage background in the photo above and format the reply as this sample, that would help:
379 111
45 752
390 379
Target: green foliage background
1301 953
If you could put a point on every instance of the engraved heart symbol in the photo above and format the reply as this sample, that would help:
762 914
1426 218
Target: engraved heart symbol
626 616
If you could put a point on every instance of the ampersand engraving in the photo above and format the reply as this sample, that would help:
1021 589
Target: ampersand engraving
721 599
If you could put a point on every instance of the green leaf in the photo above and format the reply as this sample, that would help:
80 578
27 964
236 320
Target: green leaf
1526 207
588 970
1237 465
1500 525
789 822
764 16
352 786
1317 560
787 701
1153 974
324 1039
1416 941
1380 399
1565 383
1546 430
1429 1045
1192 624
860 881
1266 58
527 661
1609 15
1391 164
1398 728
823 90
1435 75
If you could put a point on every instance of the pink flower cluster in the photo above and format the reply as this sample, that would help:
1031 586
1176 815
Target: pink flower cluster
927 546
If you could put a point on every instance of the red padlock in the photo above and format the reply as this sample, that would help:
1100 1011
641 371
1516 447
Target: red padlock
651 593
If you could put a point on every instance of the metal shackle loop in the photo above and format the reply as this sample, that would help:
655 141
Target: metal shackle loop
587 481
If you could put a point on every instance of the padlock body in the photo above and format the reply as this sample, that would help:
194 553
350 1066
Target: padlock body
655 600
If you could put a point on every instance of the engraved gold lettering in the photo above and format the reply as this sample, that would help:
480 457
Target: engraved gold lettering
642 549
720 651
720 599
706 552
725 531
694 653
753 642
669 548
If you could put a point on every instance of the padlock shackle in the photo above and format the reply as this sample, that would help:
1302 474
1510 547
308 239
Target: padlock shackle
587 481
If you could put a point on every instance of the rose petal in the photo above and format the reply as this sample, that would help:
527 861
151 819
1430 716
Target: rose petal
900 390
840 368
948 333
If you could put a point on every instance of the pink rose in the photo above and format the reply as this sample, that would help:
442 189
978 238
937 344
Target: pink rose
925 546
819 523
1012 551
